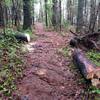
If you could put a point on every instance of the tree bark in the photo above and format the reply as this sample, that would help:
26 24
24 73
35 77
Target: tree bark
70 11
99 16
60 14
46 15
80 21
1 14
56 15
33 20
41 11
93 16
27 14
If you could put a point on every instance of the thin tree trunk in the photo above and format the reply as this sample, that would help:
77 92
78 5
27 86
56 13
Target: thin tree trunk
93 16
70 11
1 14
99 16
41 11
46 15
80 21
60 14
56 15
27 14
33 14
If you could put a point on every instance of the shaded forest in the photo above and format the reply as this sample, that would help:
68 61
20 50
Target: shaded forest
49 49
84 15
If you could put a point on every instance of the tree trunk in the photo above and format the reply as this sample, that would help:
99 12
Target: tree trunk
33 14
93 16
99 16
60 12
1 14
86 13
27 14
46 15
56 15
80 21
41 11
70 11
54 19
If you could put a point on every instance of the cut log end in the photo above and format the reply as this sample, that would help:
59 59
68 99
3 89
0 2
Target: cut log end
90 75
96 78
89 70
95 82
95 73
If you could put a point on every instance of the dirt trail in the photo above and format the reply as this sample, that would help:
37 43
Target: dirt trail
49 75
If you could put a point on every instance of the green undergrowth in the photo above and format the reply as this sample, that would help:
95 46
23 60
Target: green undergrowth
64 51
94 90
11 63
63 33
28 31
11 31
94 57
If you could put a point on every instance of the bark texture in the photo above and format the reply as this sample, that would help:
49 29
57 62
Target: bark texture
27 14
80 22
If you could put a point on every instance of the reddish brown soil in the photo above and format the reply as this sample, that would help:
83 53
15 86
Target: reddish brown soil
49 75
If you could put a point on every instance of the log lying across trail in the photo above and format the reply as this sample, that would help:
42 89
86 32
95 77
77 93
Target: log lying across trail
89 70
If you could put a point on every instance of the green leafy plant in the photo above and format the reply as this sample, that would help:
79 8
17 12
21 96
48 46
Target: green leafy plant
64 51
11 63
94 57
95 90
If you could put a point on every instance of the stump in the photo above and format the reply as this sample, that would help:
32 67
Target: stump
89 70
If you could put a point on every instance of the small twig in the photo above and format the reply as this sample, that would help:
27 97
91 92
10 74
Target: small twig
73 33
95 45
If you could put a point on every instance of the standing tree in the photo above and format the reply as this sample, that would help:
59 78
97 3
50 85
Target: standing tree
56 14
93 16
99 16
41 11
80 21
46 15
16 12
70 11
1 13
27 14
60 14
86 14
33 12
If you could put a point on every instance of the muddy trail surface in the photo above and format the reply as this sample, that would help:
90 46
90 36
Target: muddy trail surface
49 74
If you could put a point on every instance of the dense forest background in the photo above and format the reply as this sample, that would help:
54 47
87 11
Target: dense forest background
41 36
83 15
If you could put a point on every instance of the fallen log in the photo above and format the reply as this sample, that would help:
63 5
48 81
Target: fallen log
88 41
89 70
88 35
22 37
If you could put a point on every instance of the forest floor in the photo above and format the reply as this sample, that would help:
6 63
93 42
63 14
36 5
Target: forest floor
49 74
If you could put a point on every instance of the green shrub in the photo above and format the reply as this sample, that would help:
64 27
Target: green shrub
11 63
94 57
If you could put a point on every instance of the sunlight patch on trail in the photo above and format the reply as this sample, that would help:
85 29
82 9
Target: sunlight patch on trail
30 46
41 72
